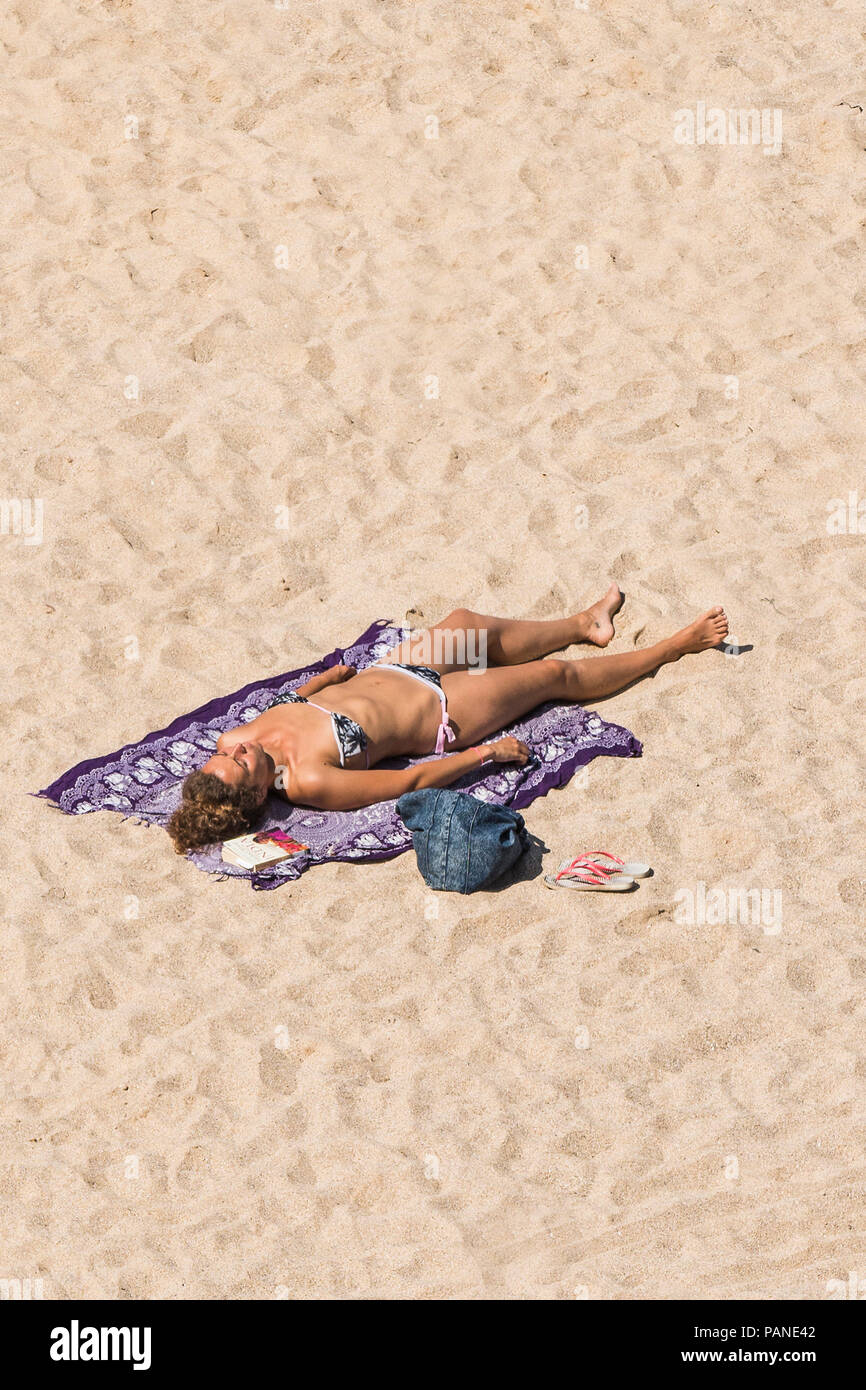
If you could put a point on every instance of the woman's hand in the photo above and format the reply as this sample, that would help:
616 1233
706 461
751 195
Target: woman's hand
335 675
507 750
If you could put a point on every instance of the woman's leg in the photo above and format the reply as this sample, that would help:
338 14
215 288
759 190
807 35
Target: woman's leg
481 704
466 640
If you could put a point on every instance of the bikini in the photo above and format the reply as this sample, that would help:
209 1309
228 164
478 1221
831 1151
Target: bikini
350 738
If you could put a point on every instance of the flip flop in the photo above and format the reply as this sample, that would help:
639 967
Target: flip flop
615 866
588 878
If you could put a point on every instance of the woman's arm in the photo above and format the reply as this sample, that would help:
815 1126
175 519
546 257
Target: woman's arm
334 789
335 675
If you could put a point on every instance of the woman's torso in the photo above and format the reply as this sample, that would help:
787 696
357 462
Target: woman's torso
398 714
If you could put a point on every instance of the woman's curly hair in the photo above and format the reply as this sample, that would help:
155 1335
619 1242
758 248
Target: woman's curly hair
211 811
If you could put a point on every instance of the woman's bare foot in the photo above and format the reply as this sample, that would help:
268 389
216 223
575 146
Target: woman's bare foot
704 633
596 623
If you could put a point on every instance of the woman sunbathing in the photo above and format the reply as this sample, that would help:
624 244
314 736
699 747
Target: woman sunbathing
454 684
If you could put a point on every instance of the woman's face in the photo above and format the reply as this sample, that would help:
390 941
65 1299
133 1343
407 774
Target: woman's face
242 765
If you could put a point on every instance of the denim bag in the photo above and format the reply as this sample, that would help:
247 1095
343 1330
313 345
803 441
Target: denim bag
461 843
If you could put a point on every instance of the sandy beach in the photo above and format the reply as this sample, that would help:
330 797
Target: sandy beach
317 315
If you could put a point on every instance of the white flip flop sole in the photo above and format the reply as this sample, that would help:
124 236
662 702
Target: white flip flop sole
610 883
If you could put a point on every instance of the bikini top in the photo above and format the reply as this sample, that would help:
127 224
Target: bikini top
349 736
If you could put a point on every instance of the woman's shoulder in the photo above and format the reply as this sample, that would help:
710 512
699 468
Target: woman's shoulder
305 785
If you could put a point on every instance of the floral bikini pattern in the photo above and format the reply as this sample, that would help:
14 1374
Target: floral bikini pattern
350 737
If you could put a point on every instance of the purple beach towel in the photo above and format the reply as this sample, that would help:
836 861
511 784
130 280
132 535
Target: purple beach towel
142 780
